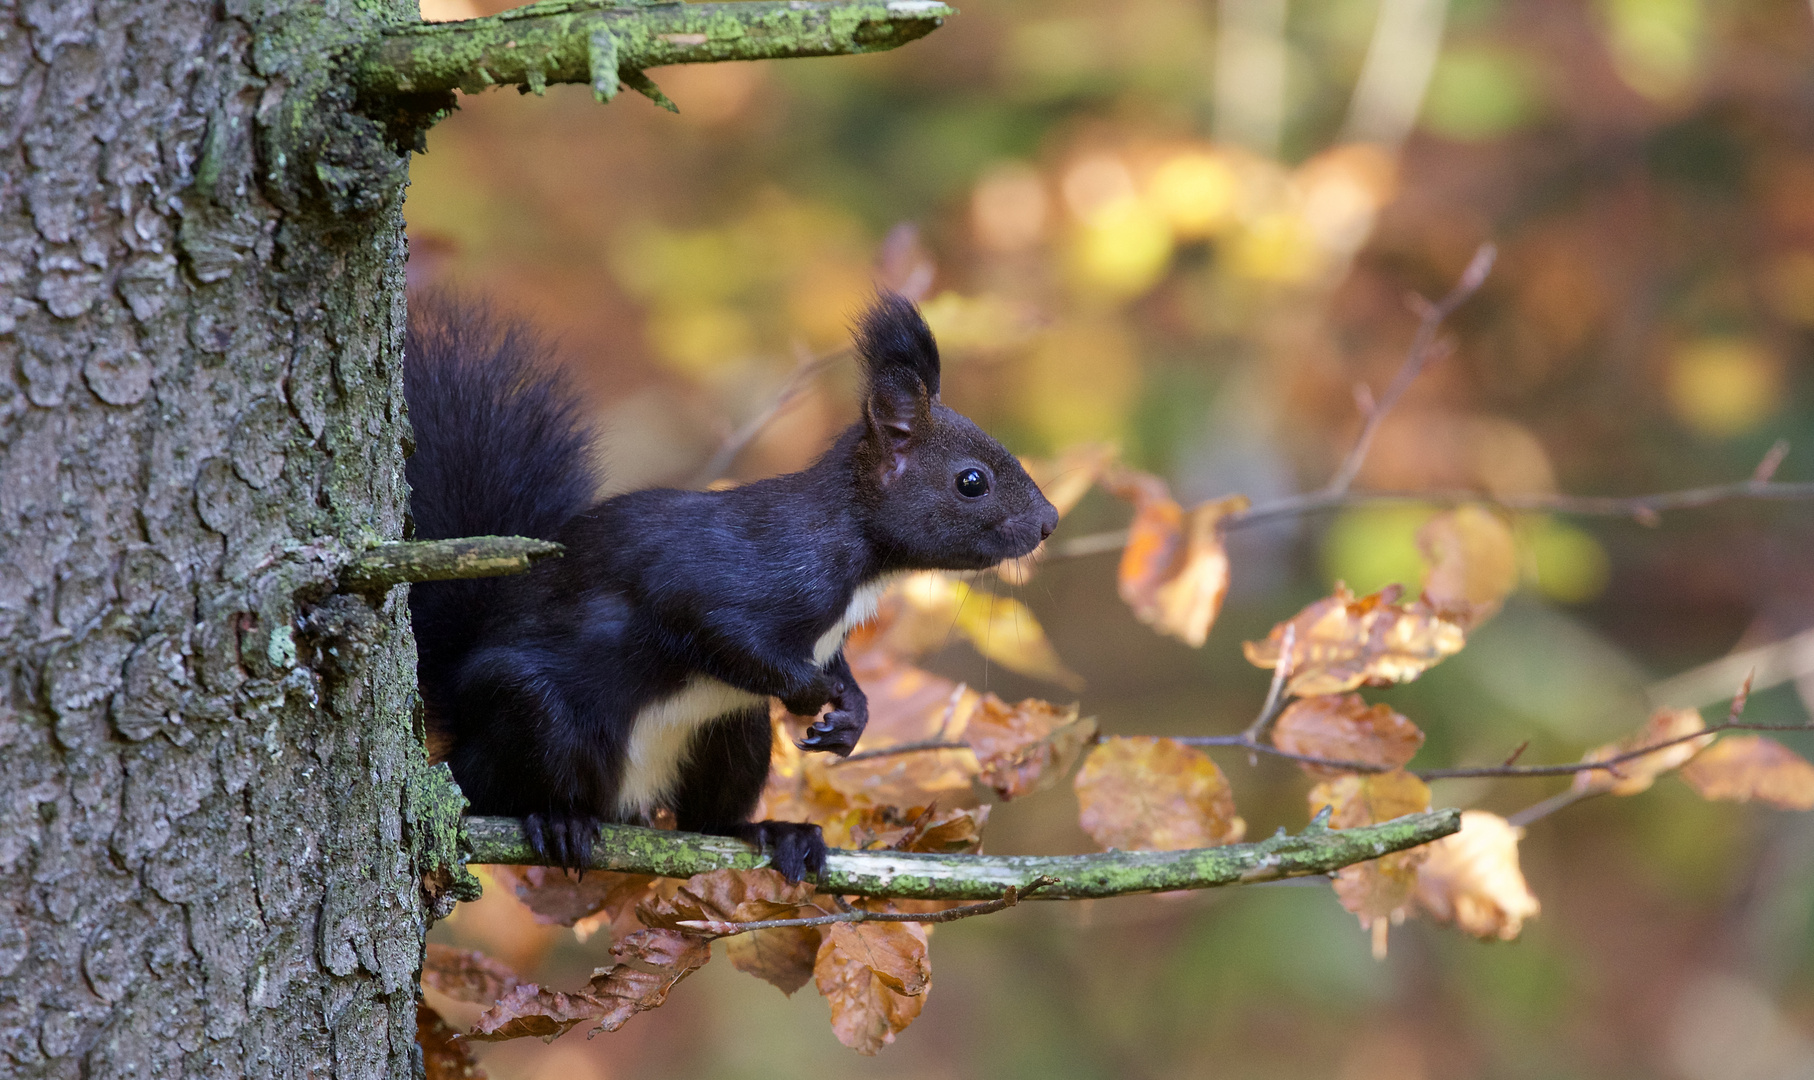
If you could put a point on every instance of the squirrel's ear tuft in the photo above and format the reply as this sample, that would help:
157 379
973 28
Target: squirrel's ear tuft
900 369
897 346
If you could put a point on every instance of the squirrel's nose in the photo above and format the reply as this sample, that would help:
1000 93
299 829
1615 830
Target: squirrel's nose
1048 520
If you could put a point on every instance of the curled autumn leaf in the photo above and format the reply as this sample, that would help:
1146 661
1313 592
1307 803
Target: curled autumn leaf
445 1056
1343 727
1743 768
1473 564
1378 891
875 977
1148 794
1342 642
650 963
1025 747
1631 777
1472 879
781 956
919 828
1174 570
466 974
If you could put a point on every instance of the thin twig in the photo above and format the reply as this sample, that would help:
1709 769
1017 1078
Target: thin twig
1275 693
1644 509
737 442
1254 746
1010 896
1423 349
903 748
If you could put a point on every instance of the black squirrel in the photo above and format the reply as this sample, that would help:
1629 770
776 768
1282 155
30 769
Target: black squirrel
633 674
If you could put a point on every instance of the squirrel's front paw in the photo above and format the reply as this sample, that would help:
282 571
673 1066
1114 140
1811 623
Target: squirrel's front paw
838 730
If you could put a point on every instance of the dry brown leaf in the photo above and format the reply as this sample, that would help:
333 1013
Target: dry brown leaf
868 1007
1472 879
1025 747
782 956
1342 642
1740 768
726 896
1148 794
1377 891
1174 571
445 1056
1344 728
1473 564
1631 777
598 900
919 828
466 974
649 963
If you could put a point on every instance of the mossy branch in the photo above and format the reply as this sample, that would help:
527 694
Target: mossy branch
1316 850
444 560
602 43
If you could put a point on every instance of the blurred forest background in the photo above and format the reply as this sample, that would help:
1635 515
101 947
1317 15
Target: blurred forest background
1189 227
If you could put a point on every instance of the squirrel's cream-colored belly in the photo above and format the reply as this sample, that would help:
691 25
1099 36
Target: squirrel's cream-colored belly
664 728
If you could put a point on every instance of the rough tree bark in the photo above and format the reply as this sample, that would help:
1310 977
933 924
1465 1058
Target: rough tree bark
220 842
204 812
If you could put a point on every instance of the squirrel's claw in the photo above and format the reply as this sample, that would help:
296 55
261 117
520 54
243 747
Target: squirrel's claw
836 732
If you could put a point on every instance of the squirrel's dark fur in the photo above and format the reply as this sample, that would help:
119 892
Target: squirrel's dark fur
632 674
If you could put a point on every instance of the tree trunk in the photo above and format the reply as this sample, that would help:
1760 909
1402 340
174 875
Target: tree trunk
207 751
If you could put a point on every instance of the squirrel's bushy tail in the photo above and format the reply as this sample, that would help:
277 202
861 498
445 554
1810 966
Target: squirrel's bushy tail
503 448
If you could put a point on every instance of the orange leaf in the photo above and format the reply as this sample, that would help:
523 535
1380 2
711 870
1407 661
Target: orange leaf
1174 571
1148 794
1377 891
915 829
1639 773
1356 800
868 1007
1472 878
1023 748
1341 642
1344 728
466 974
1473 564
445 1056
1740 768
1004 630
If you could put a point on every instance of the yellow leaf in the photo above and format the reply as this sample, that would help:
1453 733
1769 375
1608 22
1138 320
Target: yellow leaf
1147 794
1341 642
1003 630
1344 728
1067 478
1473 564
1740 768
1472 879
1355 799
1631 777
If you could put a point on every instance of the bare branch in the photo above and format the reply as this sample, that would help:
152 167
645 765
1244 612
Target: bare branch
913 875
733 446
902 748
445 560
1010 897
1423 348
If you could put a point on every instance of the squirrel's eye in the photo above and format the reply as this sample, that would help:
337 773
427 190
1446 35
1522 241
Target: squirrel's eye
972 484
